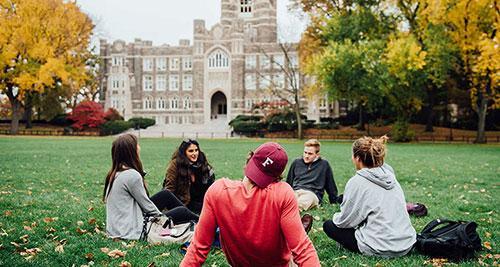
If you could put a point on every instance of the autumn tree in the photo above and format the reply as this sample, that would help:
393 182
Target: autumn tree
43 43
87 114
473 27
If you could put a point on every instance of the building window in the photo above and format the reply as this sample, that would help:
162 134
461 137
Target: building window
187 82
115 103
174 63
294 61
115 81
147 64
187 102
174 103
250 62
278 62
117 61
148 83
322 102
161 83
250 81
246 6
218 59
265 82
148 104
187 63
174 83
161 103
279 80
161 64
264 61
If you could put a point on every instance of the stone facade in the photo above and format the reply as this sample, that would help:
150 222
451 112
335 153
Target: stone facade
228 69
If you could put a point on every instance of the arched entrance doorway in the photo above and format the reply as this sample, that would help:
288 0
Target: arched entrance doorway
218 106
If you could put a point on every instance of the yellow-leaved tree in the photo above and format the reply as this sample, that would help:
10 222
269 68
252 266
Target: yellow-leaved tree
43 43
473 25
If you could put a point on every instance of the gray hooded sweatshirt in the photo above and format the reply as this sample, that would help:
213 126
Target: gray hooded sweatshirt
375 205
126 204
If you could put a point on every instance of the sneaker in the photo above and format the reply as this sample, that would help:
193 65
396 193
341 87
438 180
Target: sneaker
307 222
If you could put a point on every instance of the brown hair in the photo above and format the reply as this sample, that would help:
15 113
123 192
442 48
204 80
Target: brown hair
370 151
124 156
314 143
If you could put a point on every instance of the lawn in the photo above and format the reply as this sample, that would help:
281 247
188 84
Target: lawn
50 197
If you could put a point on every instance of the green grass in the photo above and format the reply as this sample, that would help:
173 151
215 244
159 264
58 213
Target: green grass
63 178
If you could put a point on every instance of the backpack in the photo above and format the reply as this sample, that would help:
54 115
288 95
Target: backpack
454 240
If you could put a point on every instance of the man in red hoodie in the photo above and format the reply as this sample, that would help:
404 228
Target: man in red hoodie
258 217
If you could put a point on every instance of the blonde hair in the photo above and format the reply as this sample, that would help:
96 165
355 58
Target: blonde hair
314 143
370 151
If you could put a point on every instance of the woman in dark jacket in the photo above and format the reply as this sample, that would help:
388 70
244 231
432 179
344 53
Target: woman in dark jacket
189 175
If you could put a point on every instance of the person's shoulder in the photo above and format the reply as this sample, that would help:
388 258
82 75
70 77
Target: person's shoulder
281 186
130 173
223 183
324 161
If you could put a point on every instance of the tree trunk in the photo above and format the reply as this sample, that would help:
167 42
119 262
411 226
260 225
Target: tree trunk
16 111
481 113
28 110
361 122
429 126
299 121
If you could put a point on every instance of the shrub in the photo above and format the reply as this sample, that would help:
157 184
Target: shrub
142 123
87 114
61 120
247 124
401 132
112 115
115 127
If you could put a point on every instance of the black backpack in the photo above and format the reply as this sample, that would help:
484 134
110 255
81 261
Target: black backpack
454 240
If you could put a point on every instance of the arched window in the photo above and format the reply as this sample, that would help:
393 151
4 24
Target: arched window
174 103
161 103
148 104
218 59
187 102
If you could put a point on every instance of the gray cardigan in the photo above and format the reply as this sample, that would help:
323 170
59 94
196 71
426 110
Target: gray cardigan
374 204
125 205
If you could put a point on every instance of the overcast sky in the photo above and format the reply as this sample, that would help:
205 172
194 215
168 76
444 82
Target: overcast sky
167 21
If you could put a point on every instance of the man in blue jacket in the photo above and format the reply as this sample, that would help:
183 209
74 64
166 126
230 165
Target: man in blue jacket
310 176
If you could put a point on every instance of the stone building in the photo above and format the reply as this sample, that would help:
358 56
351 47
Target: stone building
225 71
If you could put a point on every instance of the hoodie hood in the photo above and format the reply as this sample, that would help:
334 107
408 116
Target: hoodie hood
382 176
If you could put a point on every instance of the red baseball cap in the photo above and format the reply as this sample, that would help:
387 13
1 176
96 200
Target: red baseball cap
267 164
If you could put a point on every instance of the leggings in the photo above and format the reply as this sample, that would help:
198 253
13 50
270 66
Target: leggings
176 210
344 236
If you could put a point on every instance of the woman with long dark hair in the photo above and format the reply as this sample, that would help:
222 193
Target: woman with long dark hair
189 175
126 195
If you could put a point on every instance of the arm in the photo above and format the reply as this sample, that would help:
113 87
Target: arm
303 251
354 209
330 186
135 187
204 233
289 177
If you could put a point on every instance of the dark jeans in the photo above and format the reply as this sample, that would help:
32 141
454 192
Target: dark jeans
344 236
166 200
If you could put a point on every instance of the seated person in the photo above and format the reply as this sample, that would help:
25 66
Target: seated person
189 175
258 217
372 218
310 176
126 195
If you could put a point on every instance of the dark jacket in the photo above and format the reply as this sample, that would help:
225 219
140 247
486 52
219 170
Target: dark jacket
316 177
193 200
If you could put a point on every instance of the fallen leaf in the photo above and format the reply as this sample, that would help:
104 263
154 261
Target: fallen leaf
79 223
48 219
125 264
51 230
152 264
27 228
80 231
7 213
116 253
92 221
59 249
488 234
90 256
436 262
166 254
90 209
24 238
487 245
105 250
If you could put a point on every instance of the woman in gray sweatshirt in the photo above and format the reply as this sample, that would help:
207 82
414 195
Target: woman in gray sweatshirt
373 219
